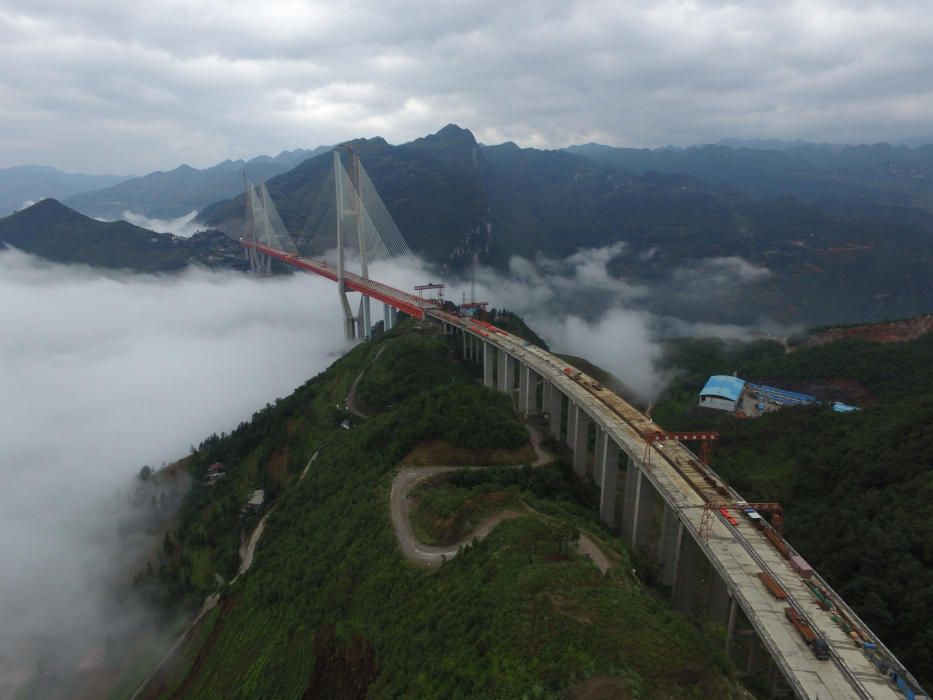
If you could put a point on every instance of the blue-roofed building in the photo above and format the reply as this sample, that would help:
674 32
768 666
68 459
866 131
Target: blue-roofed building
782 397
722 392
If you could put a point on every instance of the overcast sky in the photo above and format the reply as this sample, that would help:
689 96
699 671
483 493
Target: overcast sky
130 86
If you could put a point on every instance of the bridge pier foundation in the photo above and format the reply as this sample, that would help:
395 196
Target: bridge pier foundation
581 440
608 481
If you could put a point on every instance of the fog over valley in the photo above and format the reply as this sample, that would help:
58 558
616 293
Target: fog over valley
106 372
102 374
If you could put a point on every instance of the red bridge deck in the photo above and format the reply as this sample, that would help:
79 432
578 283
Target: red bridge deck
403 301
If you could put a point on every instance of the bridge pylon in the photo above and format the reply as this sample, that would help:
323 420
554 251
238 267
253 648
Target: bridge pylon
349 321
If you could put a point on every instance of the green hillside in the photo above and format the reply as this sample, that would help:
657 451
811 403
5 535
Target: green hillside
857 488
840 175
331 608
52 231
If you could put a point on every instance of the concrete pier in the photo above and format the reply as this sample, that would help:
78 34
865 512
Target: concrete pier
510 367
683 594
668 544
581 440
501 361
599 454
719 599
644 511
609 475
489 359
628 496
527 391
555 406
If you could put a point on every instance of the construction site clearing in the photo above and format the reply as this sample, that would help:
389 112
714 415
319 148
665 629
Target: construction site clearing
747 400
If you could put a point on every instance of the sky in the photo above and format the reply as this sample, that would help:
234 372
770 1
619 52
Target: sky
128 87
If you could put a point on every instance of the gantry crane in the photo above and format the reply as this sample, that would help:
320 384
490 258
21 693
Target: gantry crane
705 439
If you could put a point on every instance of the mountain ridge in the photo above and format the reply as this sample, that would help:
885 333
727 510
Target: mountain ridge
174 193
454 199
55 232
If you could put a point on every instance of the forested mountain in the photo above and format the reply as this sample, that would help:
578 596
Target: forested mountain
51 230
705 251
332 609
168 195
836 176
856 488
26 184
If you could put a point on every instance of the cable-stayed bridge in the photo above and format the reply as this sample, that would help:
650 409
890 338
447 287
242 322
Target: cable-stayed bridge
665 502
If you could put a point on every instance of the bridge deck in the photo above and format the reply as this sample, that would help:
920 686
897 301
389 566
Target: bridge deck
403 301
737 553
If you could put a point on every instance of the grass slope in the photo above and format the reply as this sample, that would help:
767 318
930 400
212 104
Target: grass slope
330 608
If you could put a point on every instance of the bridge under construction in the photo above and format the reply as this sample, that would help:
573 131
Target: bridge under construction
783 622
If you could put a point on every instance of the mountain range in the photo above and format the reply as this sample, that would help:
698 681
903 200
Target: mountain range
798 232
172 194
705 250
23 185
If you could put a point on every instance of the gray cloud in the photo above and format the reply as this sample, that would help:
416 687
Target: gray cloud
135 86
579 308
182 226
102 374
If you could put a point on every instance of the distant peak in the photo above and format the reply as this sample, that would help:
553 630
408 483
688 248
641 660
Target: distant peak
49 204
452 128
48 210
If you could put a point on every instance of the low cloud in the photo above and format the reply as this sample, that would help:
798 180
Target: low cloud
724 271
581 309
107 372
184 226
104 373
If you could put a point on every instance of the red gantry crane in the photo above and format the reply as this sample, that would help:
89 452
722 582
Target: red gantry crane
705 439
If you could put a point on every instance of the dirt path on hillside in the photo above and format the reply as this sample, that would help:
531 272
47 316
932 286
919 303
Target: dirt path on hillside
416 551
247 555
351 395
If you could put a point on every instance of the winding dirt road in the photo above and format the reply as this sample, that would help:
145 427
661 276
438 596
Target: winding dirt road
247 554
427 555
